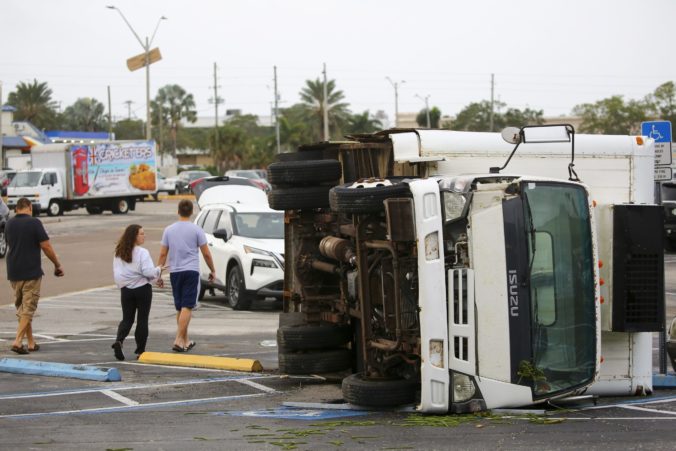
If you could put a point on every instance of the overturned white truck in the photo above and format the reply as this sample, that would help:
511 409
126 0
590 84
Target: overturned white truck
441 279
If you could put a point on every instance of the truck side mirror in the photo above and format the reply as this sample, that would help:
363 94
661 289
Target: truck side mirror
222 234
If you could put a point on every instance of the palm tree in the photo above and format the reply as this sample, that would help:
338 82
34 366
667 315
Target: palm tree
363 123
86 114
312 96
34 103
172 104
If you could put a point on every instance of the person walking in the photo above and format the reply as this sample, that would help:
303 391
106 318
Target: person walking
181 242
26 238
133 271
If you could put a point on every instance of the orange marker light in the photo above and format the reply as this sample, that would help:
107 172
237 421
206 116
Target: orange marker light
602 299
594 203
600 263
639 140
601 281
602 359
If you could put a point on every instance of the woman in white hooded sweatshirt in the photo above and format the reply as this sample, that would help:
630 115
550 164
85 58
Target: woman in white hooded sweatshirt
134 271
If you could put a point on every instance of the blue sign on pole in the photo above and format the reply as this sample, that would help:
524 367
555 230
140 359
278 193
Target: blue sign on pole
660 131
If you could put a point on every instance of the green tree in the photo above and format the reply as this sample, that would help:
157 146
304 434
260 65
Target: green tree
611 116
295 128
363 123
86 114
171 105
518 118
476 117
129 129
312 96
233 143
435 116
662 102
33 102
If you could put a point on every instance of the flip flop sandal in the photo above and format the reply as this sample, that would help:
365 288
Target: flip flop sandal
177 348
20 349
190 346
36 348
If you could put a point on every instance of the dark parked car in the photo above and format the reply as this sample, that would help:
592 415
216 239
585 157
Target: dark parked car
184 178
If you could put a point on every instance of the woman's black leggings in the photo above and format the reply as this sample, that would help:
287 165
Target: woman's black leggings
134 299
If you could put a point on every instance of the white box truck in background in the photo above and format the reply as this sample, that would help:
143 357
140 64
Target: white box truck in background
107 176
439 280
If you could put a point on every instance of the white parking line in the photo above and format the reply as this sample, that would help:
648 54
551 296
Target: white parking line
257 386
118 397
643 409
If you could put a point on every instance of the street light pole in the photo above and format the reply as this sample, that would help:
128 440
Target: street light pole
146 49
427 108
395 85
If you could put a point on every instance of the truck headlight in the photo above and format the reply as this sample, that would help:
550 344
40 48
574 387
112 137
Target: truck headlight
432 246
437 353
463 387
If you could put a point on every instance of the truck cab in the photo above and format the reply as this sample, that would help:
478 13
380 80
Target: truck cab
43 187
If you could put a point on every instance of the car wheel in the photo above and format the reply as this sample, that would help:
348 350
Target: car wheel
294 173
348 198
361 391
327 361
3 243
237 297
299 198
120 207
307 337
54 208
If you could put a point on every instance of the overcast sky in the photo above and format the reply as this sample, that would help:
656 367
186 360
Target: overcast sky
548 55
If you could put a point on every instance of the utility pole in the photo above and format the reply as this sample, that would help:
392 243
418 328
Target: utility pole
2 149
326 108
128 103
110 118
395 85
492 103
279 148
216 101
159 127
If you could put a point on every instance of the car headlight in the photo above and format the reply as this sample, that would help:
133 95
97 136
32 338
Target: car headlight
253 250
673 211
463 387
263 263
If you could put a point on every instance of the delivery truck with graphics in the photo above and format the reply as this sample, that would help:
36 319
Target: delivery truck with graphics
99 177
461 272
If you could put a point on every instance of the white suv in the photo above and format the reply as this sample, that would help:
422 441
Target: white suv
246 240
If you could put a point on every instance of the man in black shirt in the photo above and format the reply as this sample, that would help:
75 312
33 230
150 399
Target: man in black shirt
26 237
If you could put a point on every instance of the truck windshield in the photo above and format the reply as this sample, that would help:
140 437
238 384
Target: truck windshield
26 179
562 288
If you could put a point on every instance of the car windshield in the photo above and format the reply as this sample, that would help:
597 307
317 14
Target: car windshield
260 225
26 179
562 289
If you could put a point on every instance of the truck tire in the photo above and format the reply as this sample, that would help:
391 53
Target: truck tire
378 392
295 173
299 198
120 207
94 209
238 298
55 208
327 361
3 243
300 155
347 199
308 337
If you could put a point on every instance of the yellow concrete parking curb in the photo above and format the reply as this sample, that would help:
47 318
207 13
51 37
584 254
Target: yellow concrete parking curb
201 361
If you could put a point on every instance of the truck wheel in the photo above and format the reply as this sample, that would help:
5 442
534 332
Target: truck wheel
327 361
367 196
120 207
360 391
55 208
300 155
3 243
298 198
294 173
94 209
237 296
306 336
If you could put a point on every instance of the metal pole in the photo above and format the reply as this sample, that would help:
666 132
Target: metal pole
427 111
395 85
326 108
492 103
279 148
110 118
215 107
2 149
148 126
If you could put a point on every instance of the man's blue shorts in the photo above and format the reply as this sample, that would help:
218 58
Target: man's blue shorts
185 286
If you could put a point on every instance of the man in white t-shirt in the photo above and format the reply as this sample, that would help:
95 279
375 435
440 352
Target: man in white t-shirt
181 243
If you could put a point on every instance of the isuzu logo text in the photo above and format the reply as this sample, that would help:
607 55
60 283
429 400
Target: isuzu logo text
513 283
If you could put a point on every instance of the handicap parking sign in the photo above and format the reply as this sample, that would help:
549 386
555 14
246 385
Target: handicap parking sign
660 131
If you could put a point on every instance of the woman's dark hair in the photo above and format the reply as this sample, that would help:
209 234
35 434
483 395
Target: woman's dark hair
126 243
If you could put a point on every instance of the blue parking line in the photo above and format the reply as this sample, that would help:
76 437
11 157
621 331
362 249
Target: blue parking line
87 372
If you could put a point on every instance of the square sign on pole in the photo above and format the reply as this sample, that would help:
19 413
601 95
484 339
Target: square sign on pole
660 131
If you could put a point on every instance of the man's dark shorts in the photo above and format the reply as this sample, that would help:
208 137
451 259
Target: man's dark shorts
185 286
